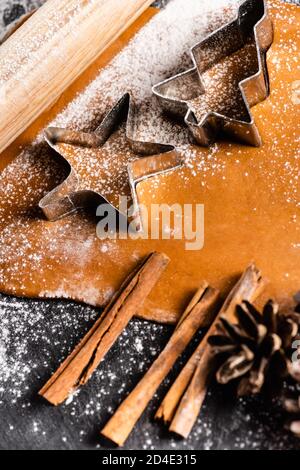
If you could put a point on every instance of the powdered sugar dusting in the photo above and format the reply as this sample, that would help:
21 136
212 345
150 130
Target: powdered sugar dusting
35 168
167 52
38 336
35 337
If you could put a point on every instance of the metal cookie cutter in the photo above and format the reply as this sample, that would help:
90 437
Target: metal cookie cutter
176 94
71 195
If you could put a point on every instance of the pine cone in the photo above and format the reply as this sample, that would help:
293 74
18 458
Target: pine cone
257 349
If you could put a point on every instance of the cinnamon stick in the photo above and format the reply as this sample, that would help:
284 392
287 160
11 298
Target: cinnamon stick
80 364
248 287
200 308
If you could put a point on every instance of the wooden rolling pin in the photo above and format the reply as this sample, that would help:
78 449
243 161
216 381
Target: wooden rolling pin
50 50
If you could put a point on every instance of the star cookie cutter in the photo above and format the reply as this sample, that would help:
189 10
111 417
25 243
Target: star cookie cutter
156 158
175 94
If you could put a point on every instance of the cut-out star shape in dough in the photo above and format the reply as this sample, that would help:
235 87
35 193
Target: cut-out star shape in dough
104 164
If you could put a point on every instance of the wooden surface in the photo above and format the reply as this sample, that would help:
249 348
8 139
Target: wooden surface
50 50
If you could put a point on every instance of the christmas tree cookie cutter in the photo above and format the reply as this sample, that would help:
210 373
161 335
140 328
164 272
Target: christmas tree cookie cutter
69 196
176 94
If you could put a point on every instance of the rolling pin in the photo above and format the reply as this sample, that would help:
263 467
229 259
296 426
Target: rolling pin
50 50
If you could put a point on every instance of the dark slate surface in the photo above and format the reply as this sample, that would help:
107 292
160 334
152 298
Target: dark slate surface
28 422
46 330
